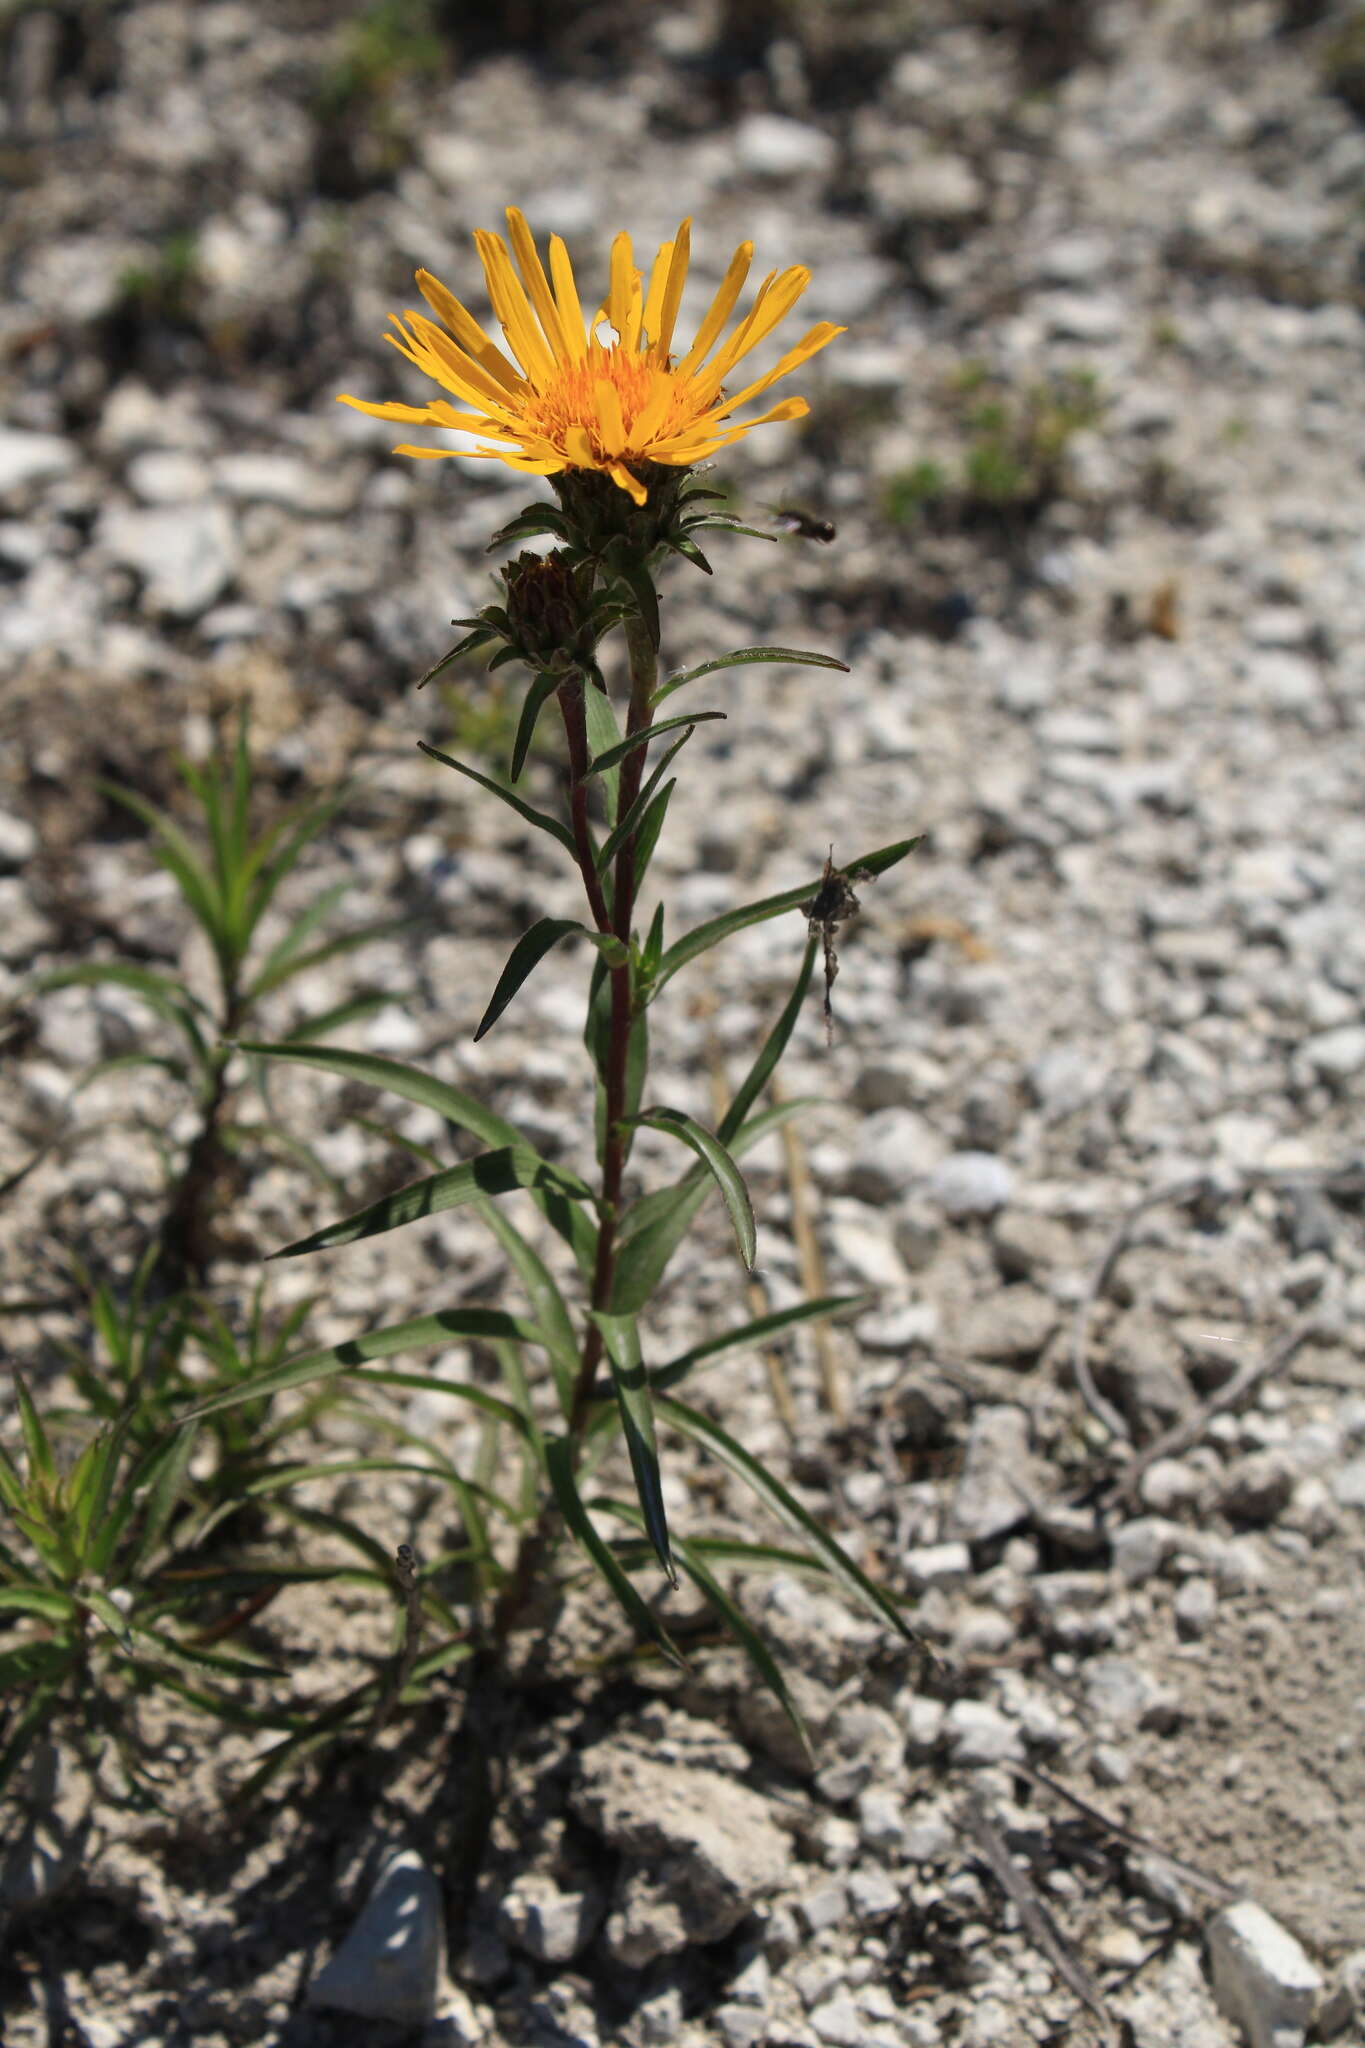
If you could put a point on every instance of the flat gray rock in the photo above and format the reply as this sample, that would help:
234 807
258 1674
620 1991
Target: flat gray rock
389 1967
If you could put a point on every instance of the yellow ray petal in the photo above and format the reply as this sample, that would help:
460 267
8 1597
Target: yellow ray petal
654 297
512 308
579 449
607 402
434 353
792 360
566 297
467 330
620 475
653 412
694 446
722 306
623 278
528 465
386 410
773 304
537 284
673 289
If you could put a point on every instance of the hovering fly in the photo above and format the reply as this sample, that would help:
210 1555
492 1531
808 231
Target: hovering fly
809 525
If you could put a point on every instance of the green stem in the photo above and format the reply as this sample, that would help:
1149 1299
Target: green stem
644 672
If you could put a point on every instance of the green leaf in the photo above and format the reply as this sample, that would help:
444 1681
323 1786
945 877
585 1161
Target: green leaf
797 657
531 949
651 1231
559 1457
692 1559
321 1023
704 936
640 584
179 858
630 1376
356 1353
690 552
773 1047
544 687
540 819
330 949
651 825
41 1463
746 1335
547 1303
491 1173
161 992
471 643
397 1079
53 1606
632 821
676 1123
787 1510
603 735
614 756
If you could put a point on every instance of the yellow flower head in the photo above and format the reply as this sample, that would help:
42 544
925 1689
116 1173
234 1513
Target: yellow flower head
564 399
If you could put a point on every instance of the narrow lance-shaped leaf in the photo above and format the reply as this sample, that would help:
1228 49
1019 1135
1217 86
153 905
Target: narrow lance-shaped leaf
531 949
561 1206
634 819
542 821
630 1376
603 735
547 1303
692 1560
351 1356
482 636
653 1229
676 1123
491 1173
746 1335
788 1510
559 1457
789 656
773 1047
614 756
704 936
544 687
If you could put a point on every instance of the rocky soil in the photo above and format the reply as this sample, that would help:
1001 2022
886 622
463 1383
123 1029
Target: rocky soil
1090 1132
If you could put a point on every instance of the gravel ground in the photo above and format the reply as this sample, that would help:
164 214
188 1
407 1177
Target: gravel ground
1090 1130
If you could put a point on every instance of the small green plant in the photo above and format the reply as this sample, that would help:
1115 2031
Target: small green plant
1010 457
150 1522
164 288
227 886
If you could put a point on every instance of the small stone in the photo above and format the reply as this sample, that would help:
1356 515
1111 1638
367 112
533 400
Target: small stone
998 1477
389 1965
1141 1547
18 842
741 2026
881 1820
896 1148
27 458
544 1922
1125 1697
771 146
899 1330
971 1184
1348 1485
1167 1486
1026 1245
873 1895
979 1733
839 2022
1261 1977
1010 1326
825 1907
186 554
936 1564
1195 1606
1257 1488
1337 1056
938 187
1110 1766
